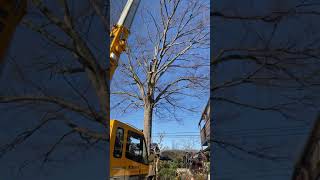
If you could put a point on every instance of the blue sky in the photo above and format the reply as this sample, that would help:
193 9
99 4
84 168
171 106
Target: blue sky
178 133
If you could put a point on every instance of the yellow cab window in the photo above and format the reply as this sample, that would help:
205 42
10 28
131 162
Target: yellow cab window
136 148
118 144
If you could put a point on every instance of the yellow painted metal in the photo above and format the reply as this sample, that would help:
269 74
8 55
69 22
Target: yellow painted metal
11 14
123 167
119 36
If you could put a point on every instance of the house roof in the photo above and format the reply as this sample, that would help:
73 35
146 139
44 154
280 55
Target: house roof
204 114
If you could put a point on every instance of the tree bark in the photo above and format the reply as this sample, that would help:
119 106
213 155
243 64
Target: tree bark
147 130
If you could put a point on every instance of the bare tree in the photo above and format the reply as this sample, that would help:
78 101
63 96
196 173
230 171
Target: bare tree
270 51
160 141
166 62
190 144
285 63
64 80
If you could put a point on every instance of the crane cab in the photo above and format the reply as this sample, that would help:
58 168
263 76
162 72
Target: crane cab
128 152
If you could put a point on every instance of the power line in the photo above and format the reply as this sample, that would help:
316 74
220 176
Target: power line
264 134
183 137
190 132
263 129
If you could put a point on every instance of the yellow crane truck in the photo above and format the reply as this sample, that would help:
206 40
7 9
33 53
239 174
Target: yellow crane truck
128 151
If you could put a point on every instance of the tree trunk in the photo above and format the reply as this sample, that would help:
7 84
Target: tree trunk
147 130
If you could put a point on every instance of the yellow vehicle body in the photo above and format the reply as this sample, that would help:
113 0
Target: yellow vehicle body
128 152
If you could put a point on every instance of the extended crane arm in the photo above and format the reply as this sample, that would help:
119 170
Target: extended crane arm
120 32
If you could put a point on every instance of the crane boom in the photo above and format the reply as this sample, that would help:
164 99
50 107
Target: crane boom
128 13
120 33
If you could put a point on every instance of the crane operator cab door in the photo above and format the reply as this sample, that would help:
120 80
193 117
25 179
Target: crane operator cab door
117 169
136 153
128 153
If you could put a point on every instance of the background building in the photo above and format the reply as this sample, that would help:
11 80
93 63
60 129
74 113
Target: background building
204 125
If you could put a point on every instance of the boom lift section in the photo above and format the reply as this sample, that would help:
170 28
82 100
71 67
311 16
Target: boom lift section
120 33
